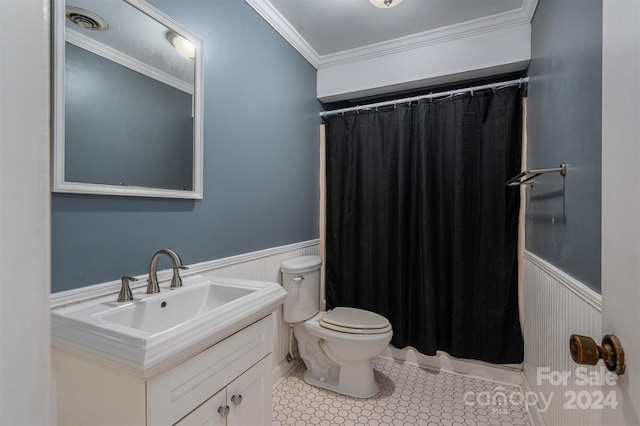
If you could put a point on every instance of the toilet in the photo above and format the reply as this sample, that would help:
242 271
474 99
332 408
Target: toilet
336 346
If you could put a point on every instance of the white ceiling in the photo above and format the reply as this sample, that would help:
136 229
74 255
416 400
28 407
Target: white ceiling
326 31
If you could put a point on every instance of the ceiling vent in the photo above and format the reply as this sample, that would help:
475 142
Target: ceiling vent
85 19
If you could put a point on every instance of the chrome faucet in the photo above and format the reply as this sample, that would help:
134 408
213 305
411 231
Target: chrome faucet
125 291
176 281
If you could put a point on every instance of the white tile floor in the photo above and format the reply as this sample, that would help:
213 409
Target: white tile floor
409 395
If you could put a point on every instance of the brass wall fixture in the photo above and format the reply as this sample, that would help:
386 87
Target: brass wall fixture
584 350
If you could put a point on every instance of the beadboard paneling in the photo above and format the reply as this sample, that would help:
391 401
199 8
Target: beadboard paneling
556 306
268 269
263 265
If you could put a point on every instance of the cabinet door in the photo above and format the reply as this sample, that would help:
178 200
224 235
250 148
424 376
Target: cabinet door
249 396
207 414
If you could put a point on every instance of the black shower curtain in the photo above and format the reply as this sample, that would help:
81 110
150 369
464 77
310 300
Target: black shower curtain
420 227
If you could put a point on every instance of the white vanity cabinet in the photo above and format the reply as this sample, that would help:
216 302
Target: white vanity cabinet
234 372
208 413
241 403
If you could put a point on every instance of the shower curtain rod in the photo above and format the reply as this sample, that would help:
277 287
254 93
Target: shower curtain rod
494 86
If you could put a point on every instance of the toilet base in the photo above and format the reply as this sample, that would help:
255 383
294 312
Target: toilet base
356 380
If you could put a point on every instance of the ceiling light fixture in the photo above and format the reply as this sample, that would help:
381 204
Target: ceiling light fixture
184 47
385 4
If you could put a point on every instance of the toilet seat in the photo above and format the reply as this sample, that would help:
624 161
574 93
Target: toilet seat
354 321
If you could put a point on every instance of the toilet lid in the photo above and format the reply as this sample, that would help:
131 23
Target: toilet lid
355 321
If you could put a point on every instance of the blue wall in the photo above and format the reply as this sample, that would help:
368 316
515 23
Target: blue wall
565 125
261 162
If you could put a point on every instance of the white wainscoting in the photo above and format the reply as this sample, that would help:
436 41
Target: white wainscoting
263 265
267 268
556 306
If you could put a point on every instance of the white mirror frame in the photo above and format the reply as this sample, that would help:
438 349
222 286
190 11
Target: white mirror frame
58 156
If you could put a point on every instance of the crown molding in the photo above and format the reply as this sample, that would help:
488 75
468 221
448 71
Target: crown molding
286 30
462 30
441 35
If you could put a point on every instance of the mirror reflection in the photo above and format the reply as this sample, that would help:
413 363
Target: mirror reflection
130 124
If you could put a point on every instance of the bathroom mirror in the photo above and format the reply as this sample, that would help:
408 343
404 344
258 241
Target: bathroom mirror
127 101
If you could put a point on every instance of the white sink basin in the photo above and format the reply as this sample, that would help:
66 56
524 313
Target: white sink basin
165 311
154 331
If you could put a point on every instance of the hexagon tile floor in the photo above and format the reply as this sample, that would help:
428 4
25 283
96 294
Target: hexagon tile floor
409 395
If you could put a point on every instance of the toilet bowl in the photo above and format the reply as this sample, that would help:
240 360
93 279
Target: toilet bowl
336 346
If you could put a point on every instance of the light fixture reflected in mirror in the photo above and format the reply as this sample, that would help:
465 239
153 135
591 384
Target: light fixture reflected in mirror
385 4
184 47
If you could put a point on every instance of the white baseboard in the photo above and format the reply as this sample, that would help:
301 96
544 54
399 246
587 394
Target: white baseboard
535 416
507 374
284 370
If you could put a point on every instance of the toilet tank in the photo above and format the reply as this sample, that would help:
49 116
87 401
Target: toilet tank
301 280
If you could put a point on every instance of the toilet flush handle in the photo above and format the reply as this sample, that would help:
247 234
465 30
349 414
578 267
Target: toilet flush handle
298 279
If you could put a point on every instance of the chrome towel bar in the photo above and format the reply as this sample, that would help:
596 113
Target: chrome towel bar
525 177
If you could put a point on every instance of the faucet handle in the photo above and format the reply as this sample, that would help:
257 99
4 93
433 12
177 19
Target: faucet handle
125 292
176 281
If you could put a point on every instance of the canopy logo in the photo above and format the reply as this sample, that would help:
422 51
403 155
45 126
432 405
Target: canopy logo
596 394
500 399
